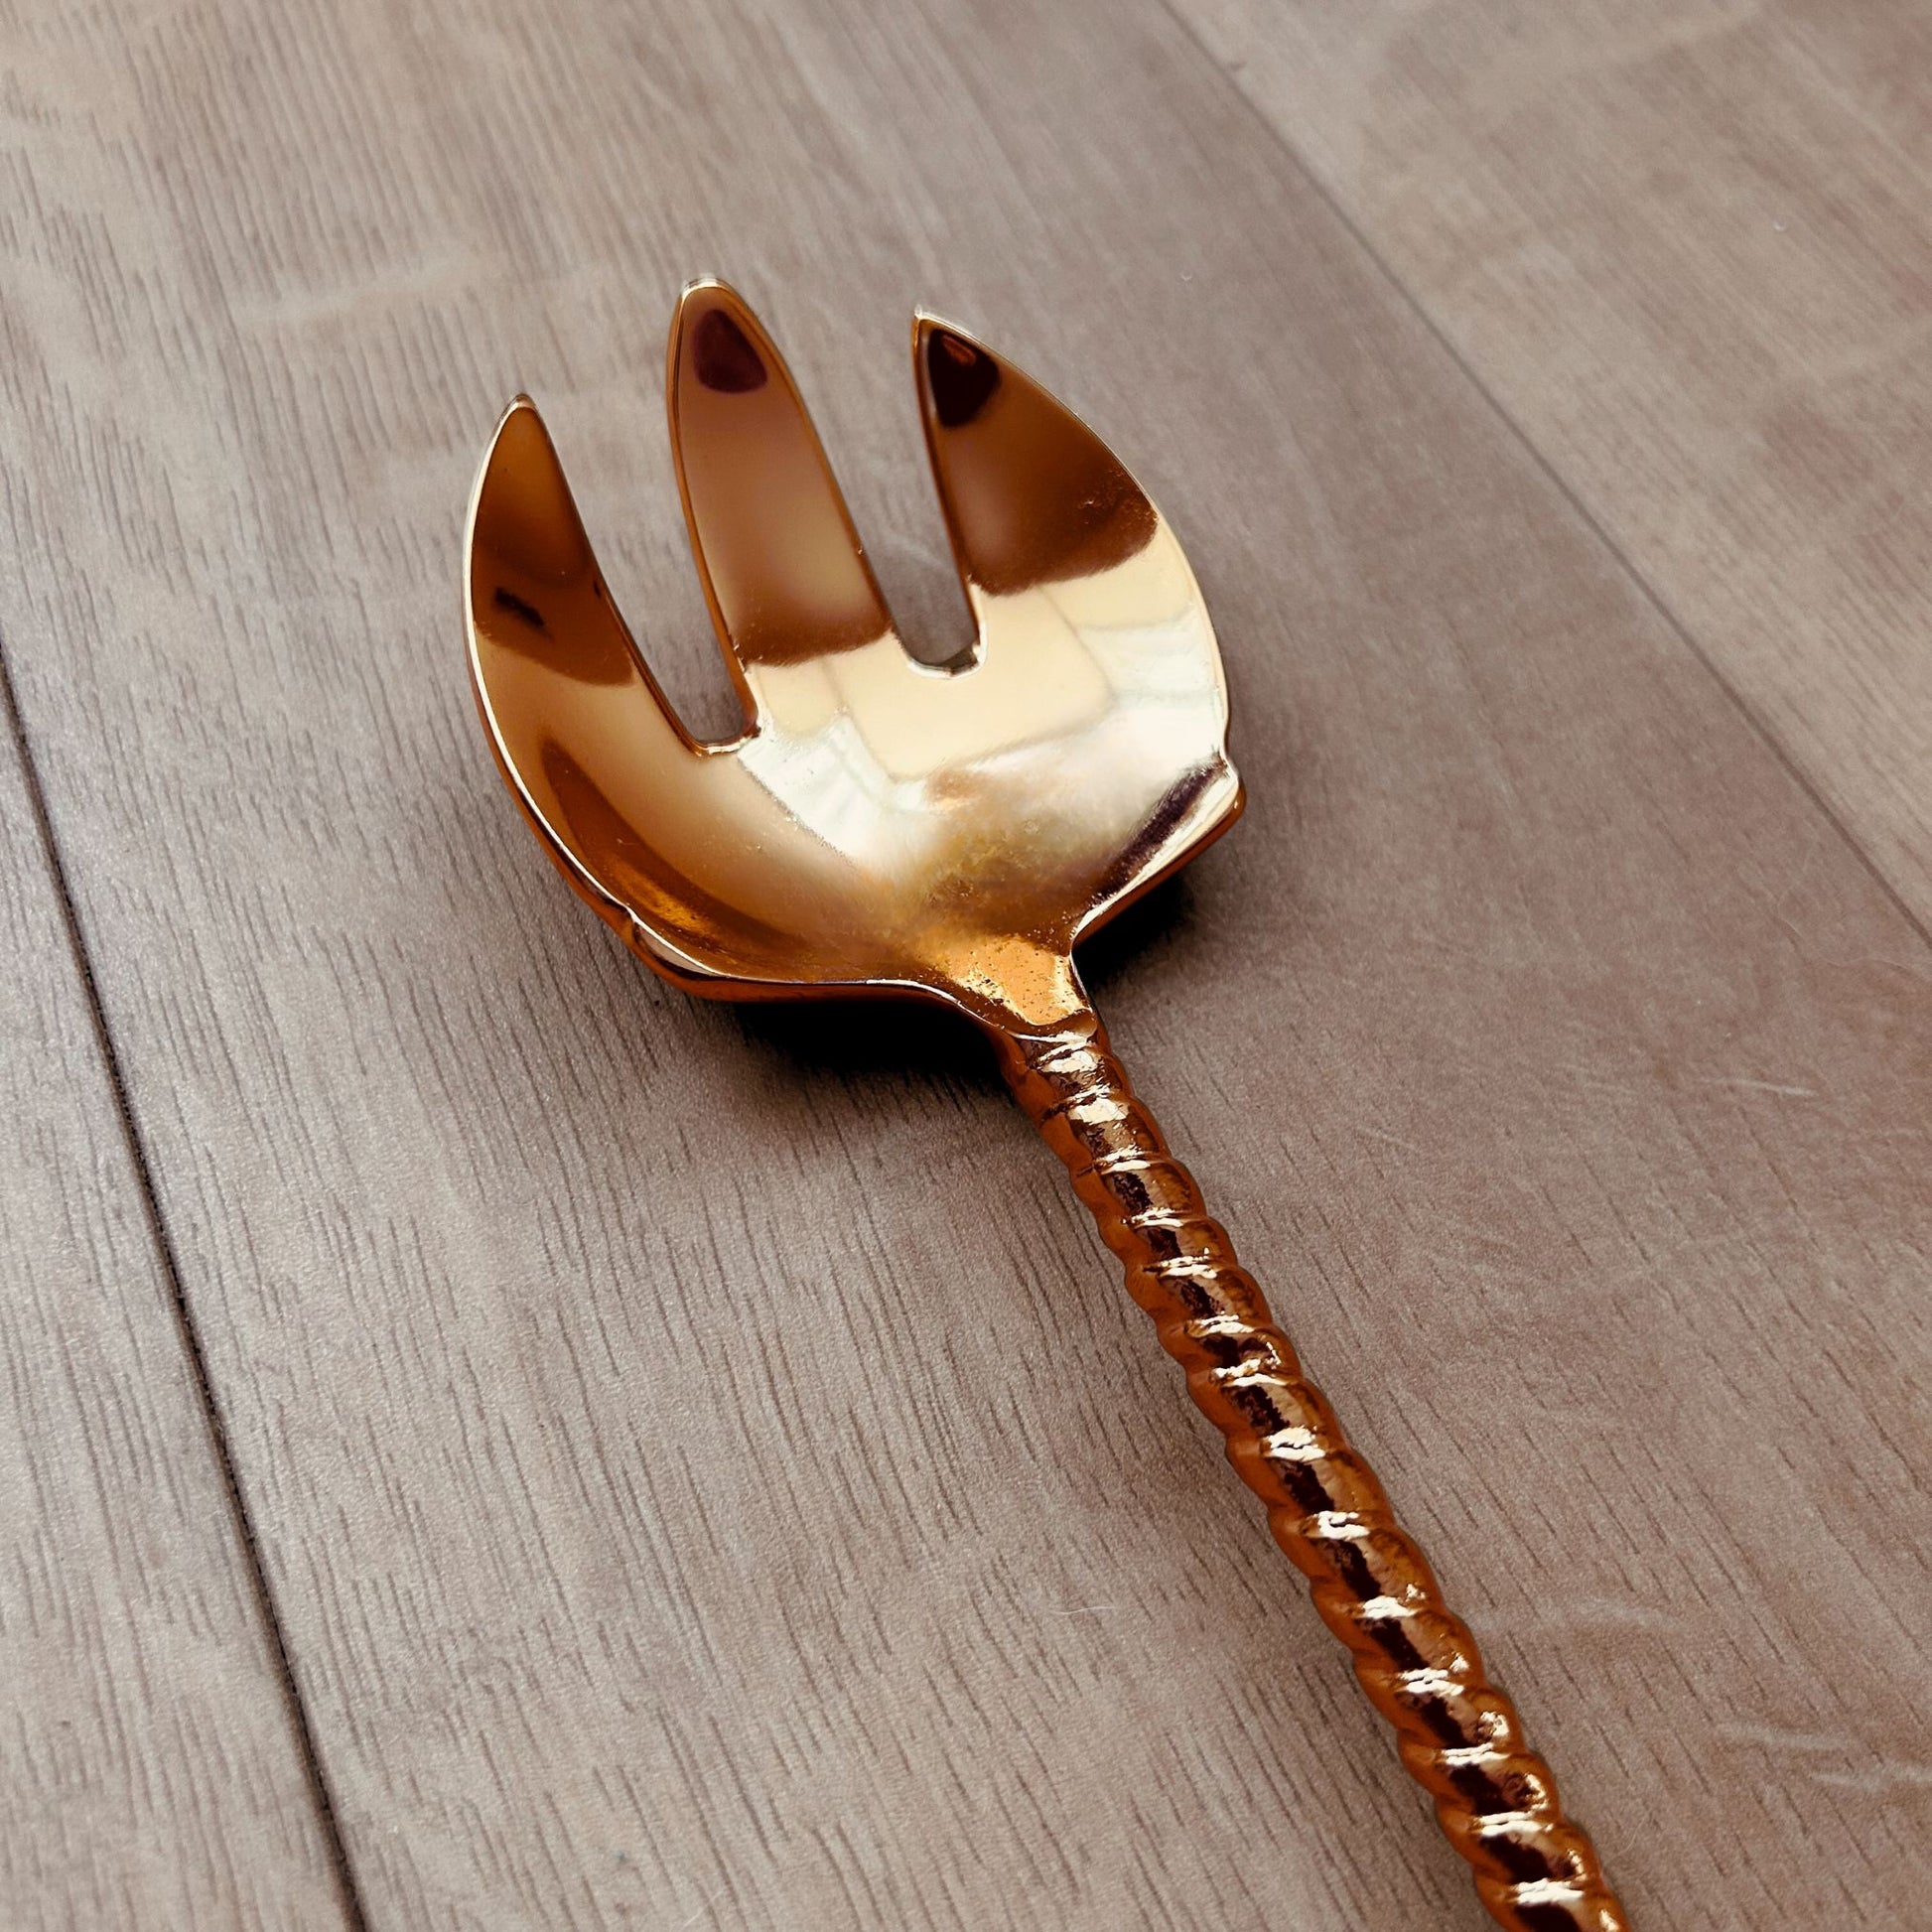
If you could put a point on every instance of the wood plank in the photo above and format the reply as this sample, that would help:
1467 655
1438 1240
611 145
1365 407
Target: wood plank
710 1474
1685 249
152 1774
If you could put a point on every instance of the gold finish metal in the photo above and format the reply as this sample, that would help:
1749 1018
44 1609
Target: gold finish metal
885 827
882 825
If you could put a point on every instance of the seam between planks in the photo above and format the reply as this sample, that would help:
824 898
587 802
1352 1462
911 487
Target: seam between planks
1418 308
348 1891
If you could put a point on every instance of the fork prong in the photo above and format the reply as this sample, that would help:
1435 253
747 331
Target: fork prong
1031 494
783 571
535 590
584 734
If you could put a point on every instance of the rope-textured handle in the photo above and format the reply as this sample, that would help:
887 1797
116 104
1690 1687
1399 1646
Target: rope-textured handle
1461 1737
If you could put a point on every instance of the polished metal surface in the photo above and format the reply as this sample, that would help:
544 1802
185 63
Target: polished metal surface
1461 1737
883 826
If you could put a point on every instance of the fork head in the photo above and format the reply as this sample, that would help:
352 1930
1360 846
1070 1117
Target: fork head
881 825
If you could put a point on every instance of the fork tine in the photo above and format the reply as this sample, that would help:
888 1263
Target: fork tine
783 571
1031 494
535 591
578 725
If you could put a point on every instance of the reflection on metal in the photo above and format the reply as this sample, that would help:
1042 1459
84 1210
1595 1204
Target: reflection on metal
883 826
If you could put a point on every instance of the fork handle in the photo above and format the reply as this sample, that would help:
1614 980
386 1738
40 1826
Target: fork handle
1459 1735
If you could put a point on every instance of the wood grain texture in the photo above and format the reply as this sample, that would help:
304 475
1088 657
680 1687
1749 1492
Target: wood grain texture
706 1470
151 1775
1686 247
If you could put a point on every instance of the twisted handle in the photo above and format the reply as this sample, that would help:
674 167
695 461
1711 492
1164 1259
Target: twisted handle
1461 1737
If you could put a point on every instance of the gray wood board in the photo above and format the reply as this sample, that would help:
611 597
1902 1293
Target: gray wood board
1686 248
153 1777
707 1472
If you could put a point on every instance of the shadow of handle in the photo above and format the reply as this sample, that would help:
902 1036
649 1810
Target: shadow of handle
1461 1737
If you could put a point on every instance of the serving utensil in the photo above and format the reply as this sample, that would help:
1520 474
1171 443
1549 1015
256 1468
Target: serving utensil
953 833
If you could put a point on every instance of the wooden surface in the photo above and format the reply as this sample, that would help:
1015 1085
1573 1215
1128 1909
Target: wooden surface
702 1470
1685 249
152 1768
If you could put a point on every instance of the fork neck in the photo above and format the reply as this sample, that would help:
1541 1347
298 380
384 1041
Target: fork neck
1016 987
1064 1075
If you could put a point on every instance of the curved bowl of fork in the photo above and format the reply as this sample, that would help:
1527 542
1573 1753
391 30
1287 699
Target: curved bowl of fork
881 825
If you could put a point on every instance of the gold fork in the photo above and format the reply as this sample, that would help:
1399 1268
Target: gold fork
886 827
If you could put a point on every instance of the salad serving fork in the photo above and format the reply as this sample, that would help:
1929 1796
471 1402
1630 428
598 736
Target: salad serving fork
951 833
